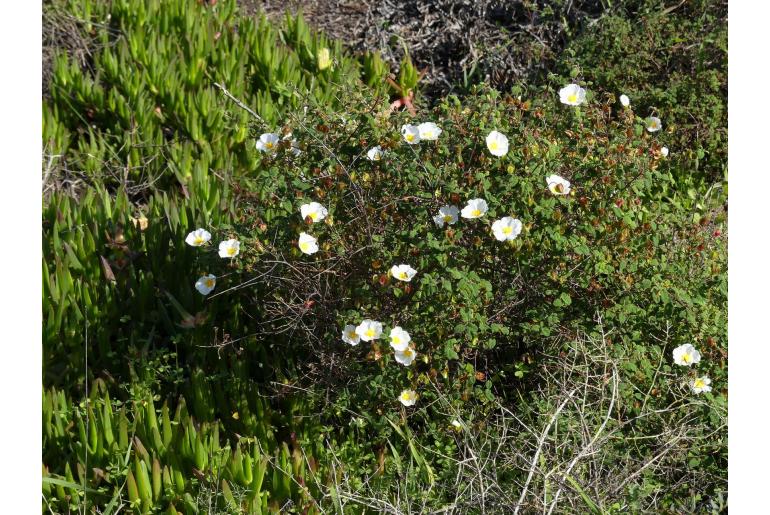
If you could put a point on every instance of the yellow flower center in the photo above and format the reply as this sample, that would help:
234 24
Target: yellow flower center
403 275
352 335
269 144
199 240
493 145
699 383
686 358
370 333
407 396
209 283
447 218
572 97
395 339
231 251
507 230
304 246
476 212
410 137
314 216
408 353
557 187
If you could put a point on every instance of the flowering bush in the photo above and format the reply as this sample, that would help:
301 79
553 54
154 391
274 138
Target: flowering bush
567 225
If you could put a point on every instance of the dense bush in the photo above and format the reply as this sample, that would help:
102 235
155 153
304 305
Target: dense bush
178 388
672 63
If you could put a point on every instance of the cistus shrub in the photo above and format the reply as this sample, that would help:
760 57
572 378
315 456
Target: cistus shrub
479 311
672 63
398 284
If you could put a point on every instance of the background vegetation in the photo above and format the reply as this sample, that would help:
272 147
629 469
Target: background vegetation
552 353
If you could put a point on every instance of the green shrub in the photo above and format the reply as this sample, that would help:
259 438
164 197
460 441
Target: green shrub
671 62
480 311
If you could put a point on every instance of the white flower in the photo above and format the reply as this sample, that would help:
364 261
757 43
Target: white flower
294 146
369 330
497 144
686 355
229 248
375 153
349 335
446 215
314 210
198 237
457 424
700 384
429 131
408 397
507 228
558 185
307 244
475 208
403 272
399 339
268 142
206 284
625 101
406 356
411 134
664 151
653 124
572 95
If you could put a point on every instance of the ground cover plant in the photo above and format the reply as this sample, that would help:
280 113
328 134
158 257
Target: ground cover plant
285 294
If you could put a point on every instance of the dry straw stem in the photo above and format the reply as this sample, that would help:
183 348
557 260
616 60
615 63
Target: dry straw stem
565 443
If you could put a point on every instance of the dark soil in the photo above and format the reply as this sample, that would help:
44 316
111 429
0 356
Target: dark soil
457 42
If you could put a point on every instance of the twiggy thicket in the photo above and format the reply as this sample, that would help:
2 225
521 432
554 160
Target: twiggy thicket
544 374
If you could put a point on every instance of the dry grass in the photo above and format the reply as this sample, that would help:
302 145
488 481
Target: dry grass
456 41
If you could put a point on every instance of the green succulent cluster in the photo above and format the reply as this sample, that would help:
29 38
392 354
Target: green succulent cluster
151 86
159 460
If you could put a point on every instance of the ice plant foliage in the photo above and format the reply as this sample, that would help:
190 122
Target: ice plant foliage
369 330
497 143
700 384
307 244
507 228
206 284
268 142
403 272
558 185
399 339
686 355
475 208
429 131
446 215
229 248
411 134
653 124
314 210
198 237
408 397
375 153
350 336
572 95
